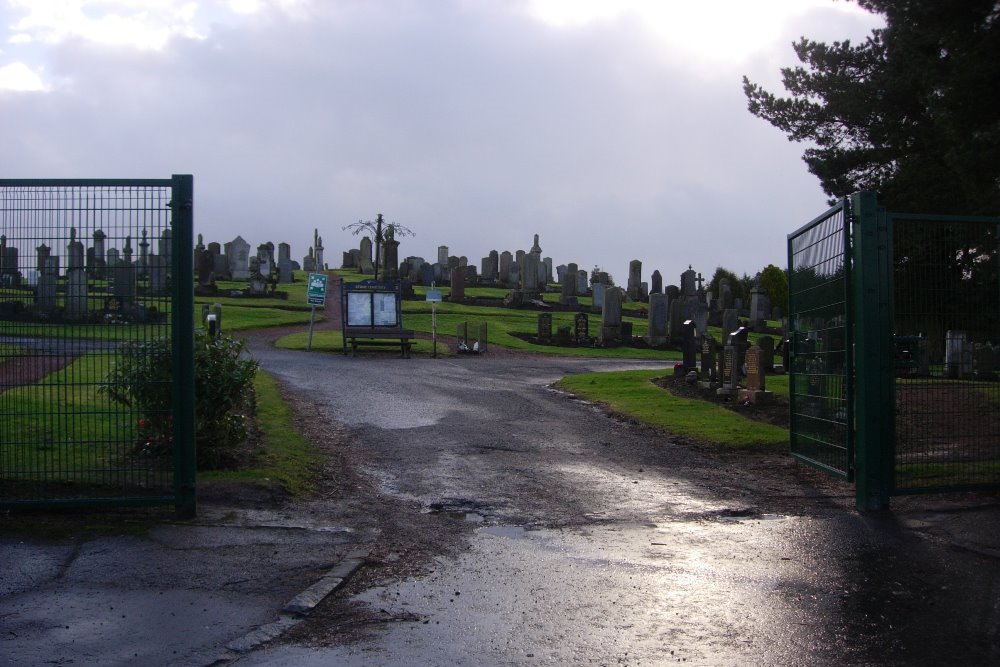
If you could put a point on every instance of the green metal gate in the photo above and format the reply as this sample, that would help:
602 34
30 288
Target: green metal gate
895 337
88 269
820 378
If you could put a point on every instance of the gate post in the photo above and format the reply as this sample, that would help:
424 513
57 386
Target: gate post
182 321
874 415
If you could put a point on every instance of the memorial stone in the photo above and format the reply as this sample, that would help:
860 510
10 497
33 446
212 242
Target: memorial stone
582 282
657 331
458 284
597 297
581 327
611 316
238 252
657 283
634 278
45 292
689 345
443 255
766 345
506 259
545 327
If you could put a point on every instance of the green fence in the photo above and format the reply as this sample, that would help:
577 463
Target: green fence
946 295
88 270
895 329
820 378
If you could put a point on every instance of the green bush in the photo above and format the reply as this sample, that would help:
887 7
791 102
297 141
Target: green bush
141 378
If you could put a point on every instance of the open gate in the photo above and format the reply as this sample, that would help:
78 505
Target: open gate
895 343
91 270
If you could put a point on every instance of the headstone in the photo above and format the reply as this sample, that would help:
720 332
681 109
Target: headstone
45 293
597 297
318 254
143 262
390 257
99 250
673 291
443 255
581 327
756 391
238 252
766 345
611 316
166 245
725 294
284 270
657 332
545 327
458 284
689 286
657 283
426 274
205 267
76 292
755 370
760 308
689 345
567 295
158 270
506 259
547 266
560 272
958 355
634 278
738 341
730 321
708 370
123 283
582 282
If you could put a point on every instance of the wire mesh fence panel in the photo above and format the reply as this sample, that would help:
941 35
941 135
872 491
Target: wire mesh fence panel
86 272
819 317
946 291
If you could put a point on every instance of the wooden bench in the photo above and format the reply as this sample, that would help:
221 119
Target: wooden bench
373 336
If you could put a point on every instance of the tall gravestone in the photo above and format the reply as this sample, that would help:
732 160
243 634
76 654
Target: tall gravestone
238 252
76 279
582 282
657 332
634 279
458 284
505 262
657 283
597 297
611 316
443 255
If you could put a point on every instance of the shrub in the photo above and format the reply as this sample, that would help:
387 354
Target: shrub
141 378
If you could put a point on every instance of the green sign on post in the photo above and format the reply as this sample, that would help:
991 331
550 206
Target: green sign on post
316 290
315 296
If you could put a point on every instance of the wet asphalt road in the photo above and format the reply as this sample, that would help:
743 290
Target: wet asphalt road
588 540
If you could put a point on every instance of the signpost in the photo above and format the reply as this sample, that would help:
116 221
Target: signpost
315 296
434 296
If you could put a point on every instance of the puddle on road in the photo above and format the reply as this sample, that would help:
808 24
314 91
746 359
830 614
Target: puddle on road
503 531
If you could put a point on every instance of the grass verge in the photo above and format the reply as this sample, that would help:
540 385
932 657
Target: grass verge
632 393
287 458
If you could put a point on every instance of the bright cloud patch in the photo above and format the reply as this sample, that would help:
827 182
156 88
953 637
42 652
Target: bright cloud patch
18 76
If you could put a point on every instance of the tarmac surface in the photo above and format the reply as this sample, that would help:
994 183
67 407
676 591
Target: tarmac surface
473 515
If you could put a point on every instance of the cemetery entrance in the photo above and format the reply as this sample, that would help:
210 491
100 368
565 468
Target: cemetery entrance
895 338
96 275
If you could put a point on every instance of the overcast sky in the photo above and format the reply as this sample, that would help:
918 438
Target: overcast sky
614 130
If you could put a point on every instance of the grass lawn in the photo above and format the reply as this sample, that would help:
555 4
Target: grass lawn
633 393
